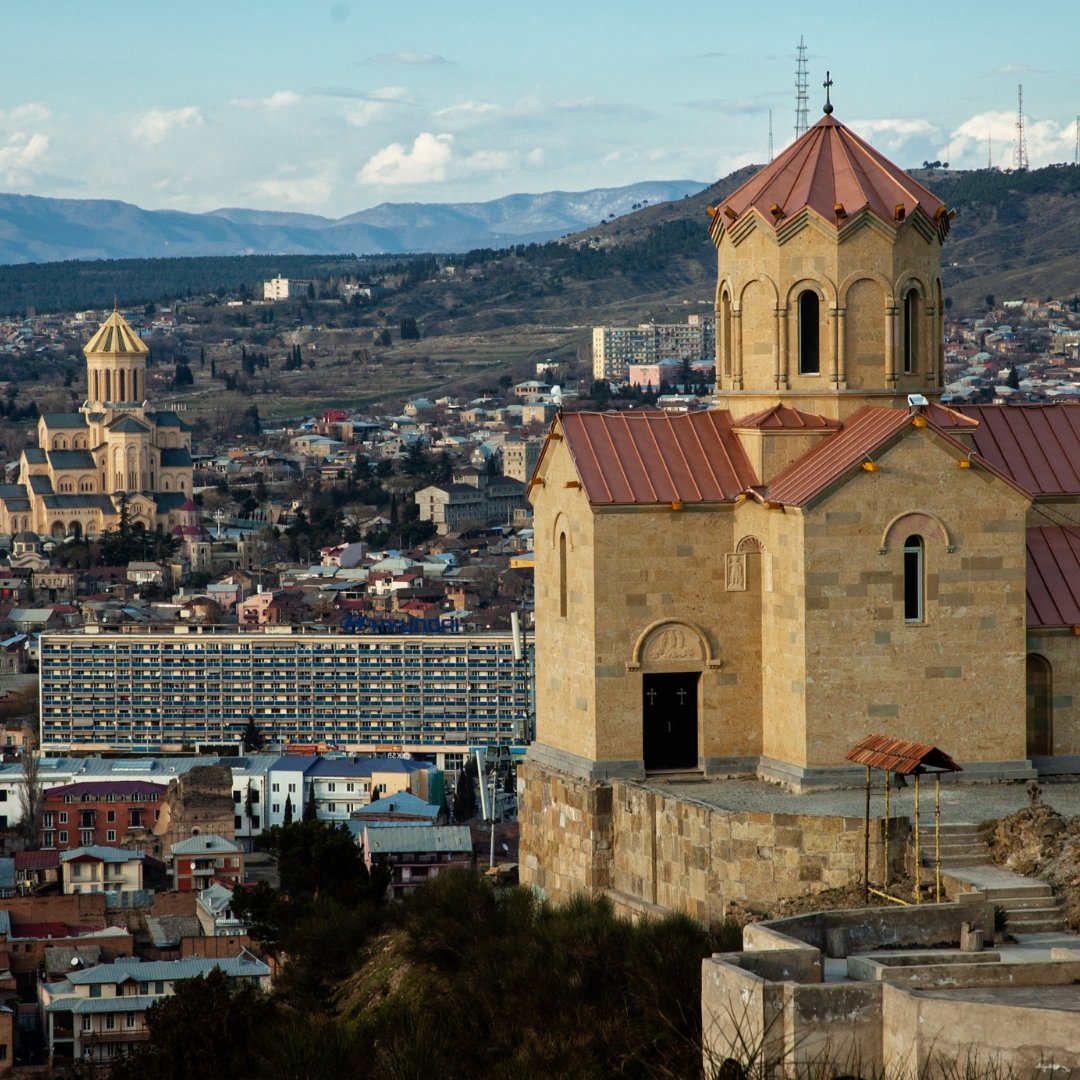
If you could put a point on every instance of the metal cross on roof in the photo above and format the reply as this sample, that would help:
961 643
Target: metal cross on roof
828 86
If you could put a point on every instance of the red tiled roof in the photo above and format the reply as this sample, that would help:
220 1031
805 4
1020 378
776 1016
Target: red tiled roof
826 167
949 419
99 789
1053 577
37 860
1037 446
653 458
900 755
784 417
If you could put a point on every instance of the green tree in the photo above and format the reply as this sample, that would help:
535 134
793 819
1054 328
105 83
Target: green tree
287 818
310 813
252 738
208 1027
408 330
465 792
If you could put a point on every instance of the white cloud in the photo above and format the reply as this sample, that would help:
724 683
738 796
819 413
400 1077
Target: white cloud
32 112
279 99
377 104
1012 71
156 125
467 110
425 163
993 134
20 152
412 58
306 191
487 161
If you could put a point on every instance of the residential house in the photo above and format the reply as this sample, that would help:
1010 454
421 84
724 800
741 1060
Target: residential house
101 869
202 860
416 853
98 813
99 1012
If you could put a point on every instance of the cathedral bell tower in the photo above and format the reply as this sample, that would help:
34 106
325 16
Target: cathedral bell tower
829 281
115 365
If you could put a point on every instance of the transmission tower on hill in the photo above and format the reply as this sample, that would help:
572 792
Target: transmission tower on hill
802 88
1020 154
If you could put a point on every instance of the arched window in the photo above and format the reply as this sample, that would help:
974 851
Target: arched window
1040 706
911 331
562 575
809 333
725 332
914 580
122 392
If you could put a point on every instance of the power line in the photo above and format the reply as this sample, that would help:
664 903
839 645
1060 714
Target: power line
802 88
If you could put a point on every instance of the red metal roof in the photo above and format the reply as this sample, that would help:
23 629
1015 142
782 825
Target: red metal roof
827 167
37 860
650 458
1037 446
784 417
900 755
853 444
1053 577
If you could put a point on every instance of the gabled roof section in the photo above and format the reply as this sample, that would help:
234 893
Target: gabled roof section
785 418
900 756
826 168
862 435
1053 577
1038 446
64 421
128 425
115 337
651 458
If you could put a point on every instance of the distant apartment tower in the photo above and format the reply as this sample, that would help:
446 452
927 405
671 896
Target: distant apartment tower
616 347
144 690
282 288
520 457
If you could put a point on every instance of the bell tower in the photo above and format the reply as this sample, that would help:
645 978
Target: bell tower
829 290
115 365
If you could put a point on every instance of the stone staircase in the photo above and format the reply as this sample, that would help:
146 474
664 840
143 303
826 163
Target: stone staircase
1030 904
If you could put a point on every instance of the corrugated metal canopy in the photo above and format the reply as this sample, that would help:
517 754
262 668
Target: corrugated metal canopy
900 756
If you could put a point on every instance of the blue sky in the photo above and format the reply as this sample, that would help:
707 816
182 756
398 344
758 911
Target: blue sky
333 107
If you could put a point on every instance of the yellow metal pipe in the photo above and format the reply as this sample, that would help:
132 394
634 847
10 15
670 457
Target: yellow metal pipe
892 899
937 838
918 852
887 828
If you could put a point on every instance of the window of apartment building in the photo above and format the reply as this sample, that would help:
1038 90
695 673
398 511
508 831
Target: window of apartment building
110 1021
276 808
110 815
48 839
63 817
236 822
76 869
86 1019
331 787
292 788
47 821
275 787
86 837
129 1020
236 796
331 808
95 990
110 835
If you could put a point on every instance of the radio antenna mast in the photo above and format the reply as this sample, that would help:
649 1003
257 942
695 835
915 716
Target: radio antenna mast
1020 154
802 88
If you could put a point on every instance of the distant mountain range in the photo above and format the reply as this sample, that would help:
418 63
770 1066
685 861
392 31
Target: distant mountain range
34 229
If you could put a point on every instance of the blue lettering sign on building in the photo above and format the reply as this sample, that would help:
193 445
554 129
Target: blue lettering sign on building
364 624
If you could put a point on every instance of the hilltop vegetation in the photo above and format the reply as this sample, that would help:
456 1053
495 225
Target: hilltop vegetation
461 979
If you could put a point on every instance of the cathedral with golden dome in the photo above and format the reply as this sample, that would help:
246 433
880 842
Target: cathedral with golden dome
116 453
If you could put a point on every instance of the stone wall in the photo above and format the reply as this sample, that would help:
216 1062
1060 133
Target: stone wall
651 852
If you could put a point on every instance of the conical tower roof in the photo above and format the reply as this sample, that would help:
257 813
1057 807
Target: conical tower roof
115 338
832 172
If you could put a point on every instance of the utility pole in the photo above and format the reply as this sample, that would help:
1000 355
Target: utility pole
802 88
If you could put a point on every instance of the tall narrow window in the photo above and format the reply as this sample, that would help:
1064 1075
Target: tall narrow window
562 575
913 580
809 334
911 331
725 333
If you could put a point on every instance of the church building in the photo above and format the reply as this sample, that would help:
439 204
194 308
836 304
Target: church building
114 452
826 552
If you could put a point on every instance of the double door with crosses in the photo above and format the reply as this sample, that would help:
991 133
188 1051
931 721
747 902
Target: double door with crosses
670 721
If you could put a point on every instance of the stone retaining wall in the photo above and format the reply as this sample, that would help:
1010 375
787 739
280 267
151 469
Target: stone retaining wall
654 852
